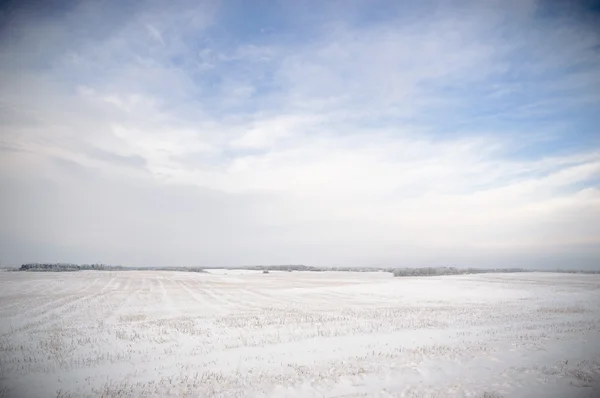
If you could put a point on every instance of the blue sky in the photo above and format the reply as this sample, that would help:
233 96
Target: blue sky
355 132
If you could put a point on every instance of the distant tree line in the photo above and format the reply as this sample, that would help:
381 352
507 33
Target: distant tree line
63 267
397 272
564 271
67 267
433 271
423 271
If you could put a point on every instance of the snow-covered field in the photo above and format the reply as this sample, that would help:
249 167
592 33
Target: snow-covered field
301 334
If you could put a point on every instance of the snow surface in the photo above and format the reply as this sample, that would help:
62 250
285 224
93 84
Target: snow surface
298 334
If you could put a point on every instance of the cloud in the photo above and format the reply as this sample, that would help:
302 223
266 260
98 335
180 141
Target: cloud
147 134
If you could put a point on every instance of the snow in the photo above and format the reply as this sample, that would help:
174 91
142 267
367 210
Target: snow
298 334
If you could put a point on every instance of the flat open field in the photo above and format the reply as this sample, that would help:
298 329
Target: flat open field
300 334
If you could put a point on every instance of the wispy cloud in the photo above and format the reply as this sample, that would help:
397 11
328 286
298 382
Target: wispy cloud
369 133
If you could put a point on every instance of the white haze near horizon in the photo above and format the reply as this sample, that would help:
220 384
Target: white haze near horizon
355 134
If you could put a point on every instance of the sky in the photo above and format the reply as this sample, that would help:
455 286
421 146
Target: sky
355 133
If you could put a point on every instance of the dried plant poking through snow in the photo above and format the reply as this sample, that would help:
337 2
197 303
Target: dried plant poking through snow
238 333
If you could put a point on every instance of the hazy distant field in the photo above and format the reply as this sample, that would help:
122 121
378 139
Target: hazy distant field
301 334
